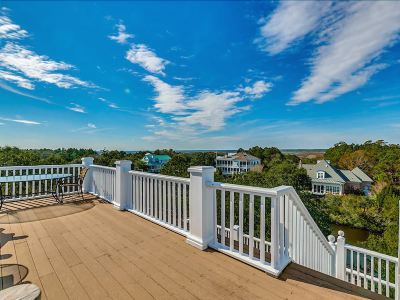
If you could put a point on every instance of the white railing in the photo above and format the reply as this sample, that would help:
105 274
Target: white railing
264 227
103 182
304 242
235 210
371 270
161 199
22 182
253 214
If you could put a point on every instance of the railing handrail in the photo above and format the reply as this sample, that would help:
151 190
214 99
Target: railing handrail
268 192
300 205
372 253
7 168
158 176
103 167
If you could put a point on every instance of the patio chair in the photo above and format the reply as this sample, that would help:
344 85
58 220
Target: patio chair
73 182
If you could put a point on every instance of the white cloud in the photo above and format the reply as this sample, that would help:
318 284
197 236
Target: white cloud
19 60
122 36
169 99
76 108
291 21
9 30
109 103
21 121
143 56
18 80
211 109
346 62
187 115
91 125
15 91
258 89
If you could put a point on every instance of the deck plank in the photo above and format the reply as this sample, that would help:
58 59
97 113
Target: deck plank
102 253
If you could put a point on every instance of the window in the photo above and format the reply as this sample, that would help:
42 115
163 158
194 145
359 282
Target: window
321 174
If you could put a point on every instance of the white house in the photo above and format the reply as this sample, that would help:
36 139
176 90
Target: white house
234 163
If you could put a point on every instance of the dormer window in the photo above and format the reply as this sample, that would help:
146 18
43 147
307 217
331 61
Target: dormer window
320 174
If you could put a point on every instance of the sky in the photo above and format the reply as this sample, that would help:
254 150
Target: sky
137 75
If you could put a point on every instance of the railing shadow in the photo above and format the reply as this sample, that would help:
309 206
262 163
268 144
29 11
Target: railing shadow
298 273
37 209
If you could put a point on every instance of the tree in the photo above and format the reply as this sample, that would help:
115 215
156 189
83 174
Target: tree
177 166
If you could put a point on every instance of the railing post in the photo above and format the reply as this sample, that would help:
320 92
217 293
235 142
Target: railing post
275 213
340 256
122 186
87 183
331 240
201 207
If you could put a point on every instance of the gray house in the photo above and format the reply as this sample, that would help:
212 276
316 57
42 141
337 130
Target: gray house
326 179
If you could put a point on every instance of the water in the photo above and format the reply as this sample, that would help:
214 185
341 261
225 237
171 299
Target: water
351 234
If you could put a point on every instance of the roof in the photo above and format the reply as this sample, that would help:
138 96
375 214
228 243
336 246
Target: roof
360 174
240 156
159 156
333 175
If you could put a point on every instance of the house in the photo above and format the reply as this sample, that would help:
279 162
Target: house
234 163
326 179
154 162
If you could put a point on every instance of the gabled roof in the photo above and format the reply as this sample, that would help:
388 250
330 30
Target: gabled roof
333 175
360 174
330 173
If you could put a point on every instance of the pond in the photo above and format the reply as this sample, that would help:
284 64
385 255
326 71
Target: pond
351 234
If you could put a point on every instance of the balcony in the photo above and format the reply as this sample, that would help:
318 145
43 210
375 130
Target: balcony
138 236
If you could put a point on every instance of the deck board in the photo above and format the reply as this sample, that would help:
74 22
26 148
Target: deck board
97 252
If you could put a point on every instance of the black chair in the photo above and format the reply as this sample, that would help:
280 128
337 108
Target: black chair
74 182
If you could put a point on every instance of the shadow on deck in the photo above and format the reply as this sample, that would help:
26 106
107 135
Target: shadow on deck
87 249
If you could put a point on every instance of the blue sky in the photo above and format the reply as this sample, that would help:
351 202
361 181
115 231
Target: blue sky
198 75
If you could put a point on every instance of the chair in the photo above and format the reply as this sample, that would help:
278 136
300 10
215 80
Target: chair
74 182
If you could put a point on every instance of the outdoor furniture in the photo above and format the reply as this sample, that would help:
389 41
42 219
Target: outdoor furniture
31 178
26 291
71 181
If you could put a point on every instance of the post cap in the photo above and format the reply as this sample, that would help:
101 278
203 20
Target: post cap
123 163
341 233
87 160
331 238
201 169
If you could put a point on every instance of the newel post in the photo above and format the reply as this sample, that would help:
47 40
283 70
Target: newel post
122 184
87 182
201 207
340 256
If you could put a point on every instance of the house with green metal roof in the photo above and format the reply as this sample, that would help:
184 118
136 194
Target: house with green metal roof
327 179
154 162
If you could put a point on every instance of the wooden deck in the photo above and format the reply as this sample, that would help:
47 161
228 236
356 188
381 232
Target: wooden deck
89 250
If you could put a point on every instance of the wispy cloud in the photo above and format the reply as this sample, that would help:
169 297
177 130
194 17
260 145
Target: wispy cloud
23 67
122 36
258 89
347 58
169 99
109 103
76 108
146 58
382 98
291 21
17 61
91 125
15 91
21 121
191 115
9 30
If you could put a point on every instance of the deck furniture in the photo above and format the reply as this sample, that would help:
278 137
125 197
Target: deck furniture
71 181
31 178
